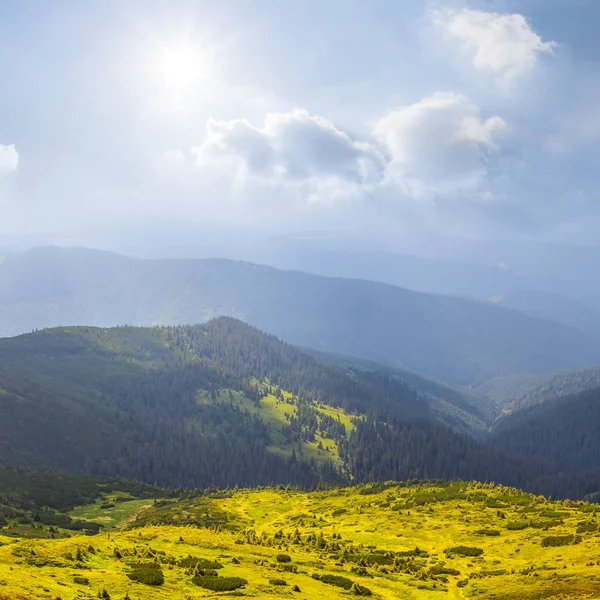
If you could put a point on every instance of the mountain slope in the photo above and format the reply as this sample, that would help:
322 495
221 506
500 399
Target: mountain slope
221 403
517 392
224 404
446 338
460 408
564 432
553 307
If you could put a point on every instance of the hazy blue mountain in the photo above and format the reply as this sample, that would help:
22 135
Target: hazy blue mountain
449 338
554 307
521 391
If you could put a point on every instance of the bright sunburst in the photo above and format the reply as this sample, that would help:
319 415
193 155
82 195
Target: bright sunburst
180 67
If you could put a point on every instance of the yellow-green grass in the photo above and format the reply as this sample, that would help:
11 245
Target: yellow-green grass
110 518
276 412
391 519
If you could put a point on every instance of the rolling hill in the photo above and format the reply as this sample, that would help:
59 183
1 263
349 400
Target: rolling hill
451 339
396 540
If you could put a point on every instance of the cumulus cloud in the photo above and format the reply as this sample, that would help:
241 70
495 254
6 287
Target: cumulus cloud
295 146
504 44
9 159
439 144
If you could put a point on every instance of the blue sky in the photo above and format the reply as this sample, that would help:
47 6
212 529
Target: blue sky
469 118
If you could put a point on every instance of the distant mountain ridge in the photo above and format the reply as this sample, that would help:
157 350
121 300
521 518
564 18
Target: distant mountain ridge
448 338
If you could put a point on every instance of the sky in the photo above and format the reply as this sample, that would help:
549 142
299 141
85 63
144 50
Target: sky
386 118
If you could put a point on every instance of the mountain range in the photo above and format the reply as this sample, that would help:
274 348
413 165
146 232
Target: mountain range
461 341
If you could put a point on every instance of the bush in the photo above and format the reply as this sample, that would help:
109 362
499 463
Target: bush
148 574
464 551
336 580
81 580
277 581
338 512
517 525
107 506
192 562
587 528
218 584
488 532
546 523
560 540
283 558
289 568
360 590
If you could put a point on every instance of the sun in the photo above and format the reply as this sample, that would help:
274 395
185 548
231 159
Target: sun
180 68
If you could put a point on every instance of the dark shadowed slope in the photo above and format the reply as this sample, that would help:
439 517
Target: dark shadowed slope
447 338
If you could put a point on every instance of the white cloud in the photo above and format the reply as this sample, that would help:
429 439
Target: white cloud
439 144
504 44
295 147
9 159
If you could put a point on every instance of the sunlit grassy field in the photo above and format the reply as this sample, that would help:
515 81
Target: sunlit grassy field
412 541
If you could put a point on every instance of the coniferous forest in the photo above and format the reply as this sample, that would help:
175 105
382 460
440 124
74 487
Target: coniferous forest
223 404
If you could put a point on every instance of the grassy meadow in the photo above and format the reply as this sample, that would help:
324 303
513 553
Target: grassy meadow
411 541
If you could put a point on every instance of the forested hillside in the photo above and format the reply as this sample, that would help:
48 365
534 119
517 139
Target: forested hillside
564 432
516 392
452 339
464 409
224 404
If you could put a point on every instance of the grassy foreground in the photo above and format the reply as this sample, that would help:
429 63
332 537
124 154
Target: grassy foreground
411 541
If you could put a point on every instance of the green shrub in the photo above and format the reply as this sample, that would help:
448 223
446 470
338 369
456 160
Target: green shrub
463 583
283 558
147 573
107 505
560 540
360 590
495 573
336 580
517 525
546 523
277 581
81 580
289 568
218 584
488 532
338 512
587 528
192 562
464 551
